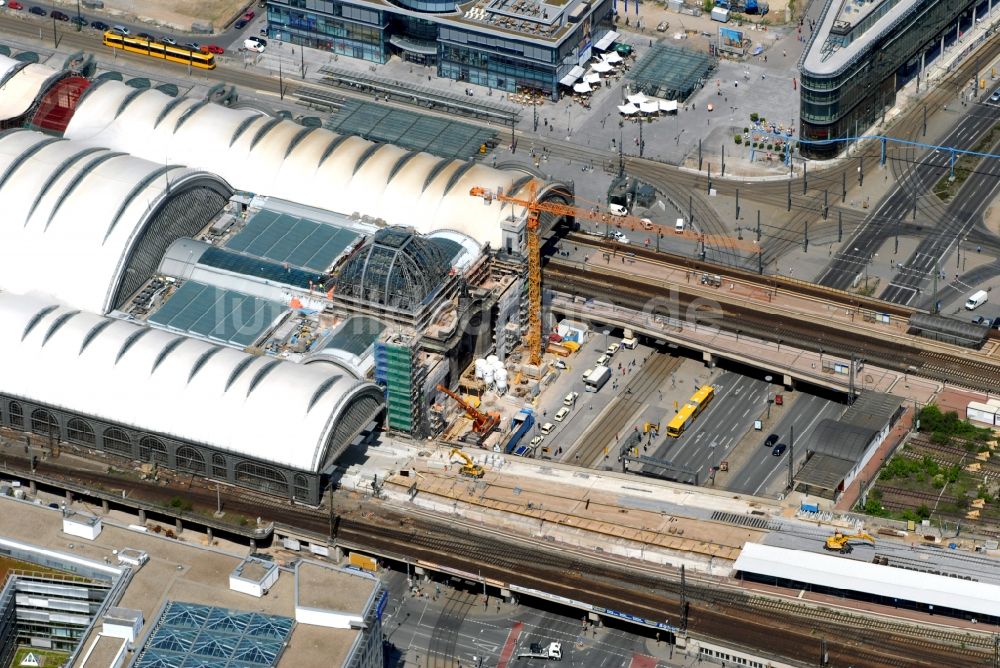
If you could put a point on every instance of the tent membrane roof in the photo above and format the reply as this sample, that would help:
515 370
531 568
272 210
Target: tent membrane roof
264 408
312 166
860 576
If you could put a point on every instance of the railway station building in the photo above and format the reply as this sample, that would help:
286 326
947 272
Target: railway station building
506 45
861 53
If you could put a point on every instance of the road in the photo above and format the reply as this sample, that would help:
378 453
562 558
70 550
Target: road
851 261
763 469
738 401
449 626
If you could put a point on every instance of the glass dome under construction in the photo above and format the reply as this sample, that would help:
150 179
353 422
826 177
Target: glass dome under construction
396 268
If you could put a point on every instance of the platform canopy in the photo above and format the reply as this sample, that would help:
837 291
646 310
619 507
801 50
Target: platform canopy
860 576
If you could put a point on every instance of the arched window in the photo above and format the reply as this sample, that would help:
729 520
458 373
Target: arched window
219 469
301 488
189 459
43 422
117 442
261 477
152 450
16 414
78 431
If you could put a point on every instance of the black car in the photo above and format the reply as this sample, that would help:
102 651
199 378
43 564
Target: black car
779 449
980 320
99 25
78 20
241 24
996 323
60 16
145 35
38 11
770 441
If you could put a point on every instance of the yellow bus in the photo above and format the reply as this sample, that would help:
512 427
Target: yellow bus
702 398
175 54
684 417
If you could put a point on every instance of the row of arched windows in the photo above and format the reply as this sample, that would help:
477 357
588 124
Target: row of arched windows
152 450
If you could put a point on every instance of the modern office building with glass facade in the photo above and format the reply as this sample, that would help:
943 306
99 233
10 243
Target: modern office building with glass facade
508 45
861 52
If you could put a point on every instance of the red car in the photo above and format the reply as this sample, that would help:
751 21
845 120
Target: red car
249 16
212 48
14 5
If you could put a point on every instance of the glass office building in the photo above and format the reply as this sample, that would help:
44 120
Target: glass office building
861 53
508 45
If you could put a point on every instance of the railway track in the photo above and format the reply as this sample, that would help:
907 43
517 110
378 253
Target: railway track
914 497
782 628
638 295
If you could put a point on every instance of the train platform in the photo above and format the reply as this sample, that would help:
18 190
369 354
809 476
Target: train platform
618 515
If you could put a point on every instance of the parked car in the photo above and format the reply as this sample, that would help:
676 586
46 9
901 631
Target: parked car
99 25
617 210
249 15
779 449
770 441
146 36
213 48
537 440
662 26
996 323
570 399
613 349
122 30
60 16
78 20
194 46
38 11
168 40
13 4
547 427
561 414
995 97
559 364
980 320
241 24
620 237
253 45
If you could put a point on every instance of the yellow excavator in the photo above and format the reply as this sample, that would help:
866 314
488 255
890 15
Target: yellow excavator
469 467
841 542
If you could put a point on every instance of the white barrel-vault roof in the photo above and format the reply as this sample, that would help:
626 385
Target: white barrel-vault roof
313 166
20 84
163 383
71 214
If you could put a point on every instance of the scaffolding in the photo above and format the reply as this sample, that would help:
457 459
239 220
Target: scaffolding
400 376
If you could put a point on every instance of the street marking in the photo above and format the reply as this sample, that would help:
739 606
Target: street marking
508 646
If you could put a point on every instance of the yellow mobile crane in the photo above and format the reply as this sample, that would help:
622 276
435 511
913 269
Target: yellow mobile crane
841 542
469 467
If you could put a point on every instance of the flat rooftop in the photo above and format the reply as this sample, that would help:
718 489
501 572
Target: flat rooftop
184 570
331 589
103 654
840 37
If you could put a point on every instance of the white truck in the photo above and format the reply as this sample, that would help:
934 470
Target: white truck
629 340
597 378
552 651
720 14
977 299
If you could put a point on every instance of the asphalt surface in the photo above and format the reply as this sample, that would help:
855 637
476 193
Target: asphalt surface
739 400
963 213
764 469
449 626
898 205
229 38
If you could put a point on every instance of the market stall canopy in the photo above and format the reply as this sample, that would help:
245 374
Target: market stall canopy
592 78
638 98
605 42
582 88
612 57
668 105
628 109
649 107
572 76
601 67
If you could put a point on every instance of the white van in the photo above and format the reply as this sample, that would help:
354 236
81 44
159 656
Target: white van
617 210
254 44
679 226
977 299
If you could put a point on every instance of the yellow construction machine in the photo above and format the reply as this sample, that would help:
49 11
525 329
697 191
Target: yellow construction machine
469 467
841 542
